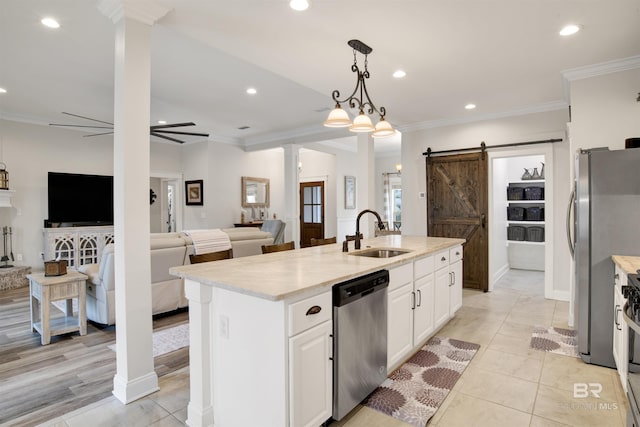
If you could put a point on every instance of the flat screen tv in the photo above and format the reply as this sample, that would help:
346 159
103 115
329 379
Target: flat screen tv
78 199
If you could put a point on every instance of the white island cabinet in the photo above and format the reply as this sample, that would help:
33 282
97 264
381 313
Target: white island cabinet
260 328
423 296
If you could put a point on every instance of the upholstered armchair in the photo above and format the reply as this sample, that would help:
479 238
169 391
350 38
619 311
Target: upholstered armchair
276 228
101 293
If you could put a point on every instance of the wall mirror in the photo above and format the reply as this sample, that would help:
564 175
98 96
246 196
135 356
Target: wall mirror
255 192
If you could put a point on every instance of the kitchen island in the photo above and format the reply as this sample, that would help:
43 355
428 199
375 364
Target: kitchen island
260 327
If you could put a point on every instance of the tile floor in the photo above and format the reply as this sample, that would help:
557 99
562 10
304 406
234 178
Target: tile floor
506 383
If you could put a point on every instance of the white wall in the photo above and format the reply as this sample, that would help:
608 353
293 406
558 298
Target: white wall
319 166
604 110
30 151
155 209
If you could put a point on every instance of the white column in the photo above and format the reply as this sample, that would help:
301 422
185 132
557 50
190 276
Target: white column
365 182
200 408
292 189
135 376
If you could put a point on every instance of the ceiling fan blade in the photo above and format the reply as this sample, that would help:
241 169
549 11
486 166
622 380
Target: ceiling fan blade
88 118
180 133
81 126
97 134
172 125
167 137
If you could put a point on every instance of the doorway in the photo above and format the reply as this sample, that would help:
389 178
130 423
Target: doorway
311 212
165 211
522 231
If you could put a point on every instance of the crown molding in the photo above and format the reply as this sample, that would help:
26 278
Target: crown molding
147 12
601 68
531 109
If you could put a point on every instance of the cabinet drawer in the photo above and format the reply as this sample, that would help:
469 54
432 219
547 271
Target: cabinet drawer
441 259
309 312
455 254
423 266
401 275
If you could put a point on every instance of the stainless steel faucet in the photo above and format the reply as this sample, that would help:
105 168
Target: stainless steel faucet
380 224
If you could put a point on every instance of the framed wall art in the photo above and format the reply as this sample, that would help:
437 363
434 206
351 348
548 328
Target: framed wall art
193 193
349 192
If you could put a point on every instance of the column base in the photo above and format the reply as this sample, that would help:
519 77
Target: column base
128 391
199 417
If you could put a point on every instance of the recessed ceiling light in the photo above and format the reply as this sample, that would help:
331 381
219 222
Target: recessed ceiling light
470 106
569 30
162 122
3 90
252 91
299 5
50 22
398 74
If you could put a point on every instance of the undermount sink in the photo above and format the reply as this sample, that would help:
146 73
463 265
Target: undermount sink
380 252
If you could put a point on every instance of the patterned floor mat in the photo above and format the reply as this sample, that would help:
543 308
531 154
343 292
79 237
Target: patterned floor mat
414 392
555 340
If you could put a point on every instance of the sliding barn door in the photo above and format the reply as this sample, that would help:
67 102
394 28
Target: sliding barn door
457 207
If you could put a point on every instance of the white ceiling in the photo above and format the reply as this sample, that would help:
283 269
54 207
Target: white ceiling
503 55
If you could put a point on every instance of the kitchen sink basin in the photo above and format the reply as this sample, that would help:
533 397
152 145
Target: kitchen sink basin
380 252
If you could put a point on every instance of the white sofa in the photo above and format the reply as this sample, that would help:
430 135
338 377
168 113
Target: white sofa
167 291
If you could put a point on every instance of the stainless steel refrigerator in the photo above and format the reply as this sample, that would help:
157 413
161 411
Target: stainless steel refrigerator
607 222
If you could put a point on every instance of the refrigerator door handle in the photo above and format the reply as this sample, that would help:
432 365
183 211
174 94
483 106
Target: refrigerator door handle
572 247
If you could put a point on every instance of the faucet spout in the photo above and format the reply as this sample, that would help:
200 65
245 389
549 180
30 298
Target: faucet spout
380 224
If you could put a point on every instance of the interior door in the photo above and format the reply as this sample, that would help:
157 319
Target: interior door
457 207
311 212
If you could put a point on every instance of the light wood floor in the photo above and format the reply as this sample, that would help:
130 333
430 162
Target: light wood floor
39 383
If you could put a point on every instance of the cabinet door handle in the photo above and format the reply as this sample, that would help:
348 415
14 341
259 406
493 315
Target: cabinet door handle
452 278
413 300
616 276
419 297
443 259
457 253
615 319
314 310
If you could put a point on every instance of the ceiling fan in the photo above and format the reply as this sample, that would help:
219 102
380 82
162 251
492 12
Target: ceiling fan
155 130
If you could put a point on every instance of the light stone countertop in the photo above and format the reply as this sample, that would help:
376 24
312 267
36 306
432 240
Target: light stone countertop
630 264
281 275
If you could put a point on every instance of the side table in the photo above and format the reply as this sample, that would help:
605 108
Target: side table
44 290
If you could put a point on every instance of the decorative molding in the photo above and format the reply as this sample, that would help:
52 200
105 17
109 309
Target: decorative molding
602 68
147 12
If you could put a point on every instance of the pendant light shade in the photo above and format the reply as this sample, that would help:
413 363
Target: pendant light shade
383 128
362 123
338 118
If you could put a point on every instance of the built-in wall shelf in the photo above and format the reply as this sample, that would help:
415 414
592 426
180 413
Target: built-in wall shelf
517 242
527 181
525 202
526 222
5 198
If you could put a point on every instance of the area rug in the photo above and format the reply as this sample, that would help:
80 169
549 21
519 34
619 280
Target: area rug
414 392
555 340
167 340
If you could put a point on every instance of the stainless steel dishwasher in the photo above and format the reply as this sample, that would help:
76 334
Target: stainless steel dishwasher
359 339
